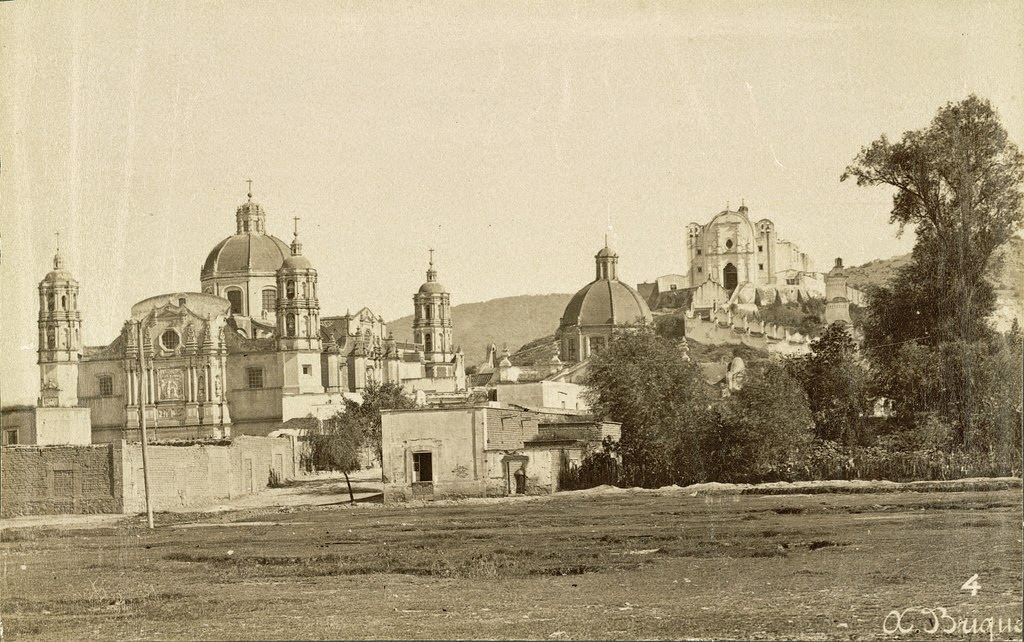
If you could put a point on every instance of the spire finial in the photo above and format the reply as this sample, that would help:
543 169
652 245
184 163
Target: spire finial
249 181
296 243
58 260
431 272
606 240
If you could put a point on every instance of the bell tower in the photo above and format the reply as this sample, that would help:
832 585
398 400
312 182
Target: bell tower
60 337
432 324
298 322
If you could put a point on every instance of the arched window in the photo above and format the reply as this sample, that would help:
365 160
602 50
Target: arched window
269 300
50 302
305 289
428 343
289 289
64 302
51 339
429 309
289 325
235 298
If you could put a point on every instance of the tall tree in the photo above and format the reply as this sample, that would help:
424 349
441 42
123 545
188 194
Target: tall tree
642 381
958 183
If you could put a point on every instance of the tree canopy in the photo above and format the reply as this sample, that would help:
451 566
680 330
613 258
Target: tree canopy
642 381
958 184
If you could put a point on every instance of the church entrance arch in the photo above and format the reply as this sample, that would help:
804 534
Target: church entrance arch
730 277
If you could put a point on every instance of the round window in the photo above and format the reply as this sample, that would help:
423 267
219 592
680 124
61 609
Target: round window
728 244
170 340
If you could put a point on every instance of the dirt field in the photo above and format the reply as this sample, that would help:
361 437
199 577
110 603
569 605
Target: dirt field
600 565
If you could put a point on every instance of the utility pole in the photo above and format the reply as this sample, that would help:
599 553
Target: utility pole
143 385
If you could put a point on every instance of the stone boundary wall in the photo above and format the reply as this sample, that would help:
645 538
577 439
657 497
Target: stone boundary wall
42 480
108 478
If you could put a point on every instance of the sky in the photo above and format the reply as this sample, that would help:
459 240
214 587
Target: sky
508 136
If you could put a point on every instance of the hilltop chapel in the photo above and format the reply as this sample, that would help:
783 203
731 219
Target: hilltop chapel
249 351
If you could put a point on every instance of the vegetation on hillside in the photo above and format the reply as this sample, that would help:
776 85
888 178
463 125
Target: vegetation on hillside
511 321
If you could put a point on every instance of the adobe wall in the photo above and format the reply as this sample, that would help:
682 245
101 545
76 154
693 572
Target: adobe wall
203 474
41 480
452 437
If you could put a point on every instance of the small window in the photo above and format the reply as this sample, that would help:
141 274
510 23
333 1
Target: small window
430 311
289 289
760 266
698 251
170 340
106 386
307 370
699 270
728 244
269 300
235 298
673 287
181 300
254 378
422 467
64 302
760 248
11 437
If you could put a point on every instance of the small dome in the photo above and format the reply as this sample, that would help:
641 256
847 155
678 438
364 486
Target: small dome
606 302
296 262
247 252
59 274
432 287
606 252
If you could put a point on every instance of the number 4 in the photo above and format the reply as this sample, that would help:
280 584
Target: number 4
971 585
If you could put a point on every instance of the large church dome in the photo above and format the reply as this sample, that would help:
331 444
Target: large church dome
250 249
594 312
606 302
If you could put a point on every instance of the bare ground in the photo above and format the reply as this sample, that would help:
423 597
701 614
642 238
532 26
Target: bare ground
610 565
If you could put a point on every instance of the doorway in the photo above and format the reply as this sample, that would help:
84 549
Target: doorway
422 467
731 277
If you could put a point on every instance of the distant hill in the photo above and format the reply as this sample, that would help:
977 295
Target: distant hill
875 273
514 320
1009 274
1008 279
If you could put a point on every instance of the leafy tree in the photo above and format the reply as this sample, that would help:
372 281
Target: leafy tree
334 444
836 385
958 183
758 430
376 397
641 380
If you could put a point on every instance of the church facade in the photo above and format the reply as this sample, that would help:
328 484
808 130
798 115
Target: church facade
249 351
731 249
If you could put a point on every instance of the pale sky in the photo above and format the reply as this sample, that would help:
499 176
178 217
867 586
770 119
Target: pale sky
507 135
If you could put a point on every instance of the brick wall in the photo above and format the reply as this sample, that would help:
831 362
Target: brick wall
60 479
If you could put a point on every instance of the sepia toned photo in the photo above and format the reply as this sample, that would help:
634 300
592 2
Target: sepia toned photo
565 320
